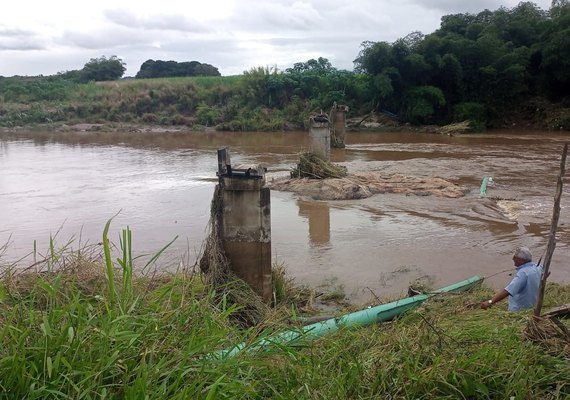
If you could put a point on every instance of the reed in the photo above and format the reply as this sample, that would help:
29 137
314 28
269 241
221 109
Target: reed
313 167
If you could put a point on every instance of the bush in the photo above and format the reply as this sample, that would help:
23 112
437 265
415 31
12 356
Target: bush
149 118
207 115
476 113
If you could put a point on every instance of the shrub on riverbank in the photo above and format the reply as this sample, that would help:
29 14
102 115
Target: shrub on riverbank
68 333
191 102
259 100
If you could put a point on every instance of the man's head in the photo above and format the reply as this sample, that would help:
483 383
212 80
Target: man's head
522 256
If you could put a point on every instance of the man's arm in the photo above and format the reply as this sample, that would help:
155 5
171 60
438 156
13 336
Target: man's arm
500 295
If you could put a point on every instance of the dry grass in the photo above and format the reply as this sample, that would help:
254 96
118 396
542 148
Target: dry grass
83 269
219 277
456 128
313 167
549 333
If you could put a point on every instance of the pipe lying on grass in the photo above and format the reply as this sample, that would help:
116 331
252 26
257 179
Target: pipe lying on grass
367 316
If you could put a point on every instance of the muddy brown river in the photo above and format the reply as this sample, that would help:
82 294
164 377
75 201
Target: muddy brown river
161 184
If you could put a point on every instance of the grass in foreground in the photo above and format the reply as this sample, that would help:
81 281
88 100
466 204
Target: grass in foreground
65 335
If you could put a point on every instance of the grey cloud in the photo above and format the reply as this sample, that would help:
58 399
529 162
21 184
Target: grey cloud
88 41
270 16
21 46
196 50
122 17
109 38
51 62
175 22
276 32
18 33
457 6
340 52
17 39
336 17
215 45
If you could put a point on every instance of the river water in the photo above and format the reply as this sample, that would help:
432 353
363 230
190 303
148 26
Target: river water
161 184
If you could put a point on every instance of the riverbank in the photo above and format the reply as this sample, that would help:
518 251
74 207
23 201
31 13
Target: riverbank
164 105
234 103
544 116
69 334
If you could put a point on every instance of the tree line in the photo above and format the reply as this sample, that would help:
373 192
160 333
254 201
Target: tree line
474 67
113 68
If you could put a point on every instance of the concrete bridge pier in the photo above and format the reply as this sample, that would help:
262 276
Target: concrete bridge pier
246 223
338 131
320 137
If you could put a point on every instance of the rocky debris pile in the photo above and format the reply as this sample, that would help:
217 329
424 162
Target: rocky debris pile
365 184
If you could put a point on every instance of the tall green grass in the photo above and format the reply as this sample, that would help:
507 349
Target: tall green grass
92 329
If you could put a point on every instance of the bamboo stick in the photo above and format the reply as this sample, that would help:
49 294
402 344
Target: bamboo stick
559 311
552 236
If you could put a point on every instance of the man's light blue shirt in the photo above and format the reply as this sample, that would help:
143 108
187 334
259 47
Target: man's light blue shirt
523 289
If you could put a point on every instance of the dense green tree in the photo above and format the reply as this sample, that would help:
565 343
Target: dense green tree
554 54
449 75
421 104
456 23
103 69
374 57
320 66
482 64
524 25
413 40
164 69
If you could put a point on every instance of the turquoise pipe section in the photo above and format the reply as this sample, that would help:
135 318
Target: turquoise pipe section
368 316
484 183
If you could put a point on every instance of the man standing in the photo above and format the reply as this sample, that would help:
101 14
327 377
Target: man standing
523 289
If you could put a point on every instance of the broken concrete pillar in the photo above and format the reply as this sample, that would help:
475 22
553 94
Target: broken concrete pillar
246 223
320 137
338 131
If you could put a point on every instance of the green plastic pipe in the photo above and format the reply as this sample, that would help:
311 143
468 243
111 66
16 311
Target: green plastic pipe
367 316
484 183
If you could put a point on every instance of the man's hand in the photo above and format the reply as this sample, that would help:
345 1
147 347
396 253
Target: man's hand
500 295
486 304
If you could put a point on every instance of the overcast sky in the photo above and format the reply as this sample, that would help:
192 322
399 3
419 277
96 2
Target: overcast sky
46 37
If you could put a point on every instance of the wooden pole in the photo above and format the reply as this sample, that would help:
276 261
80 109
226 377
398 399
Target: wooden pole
552 236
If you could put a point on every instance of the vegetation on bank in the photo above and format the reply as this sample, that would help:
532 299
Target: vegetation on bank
163 69
87 328
495 68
